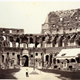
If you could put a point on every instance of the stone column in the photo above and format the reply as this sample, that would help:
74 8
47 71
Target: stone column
63 44
51 44
18 44
8 41
49 60
74 43
45 44
4 58
43 53
28 41
42 60
52 61
20 60
34 40
40 42
69 44
14 44
24 45
15 61
56 45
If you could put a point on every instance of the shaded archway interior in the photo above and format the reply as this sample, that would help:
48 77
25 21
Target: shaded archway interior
26 61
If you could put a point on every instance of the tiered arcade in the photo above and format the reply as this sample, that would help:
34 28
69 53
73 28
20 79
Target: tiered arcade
61 29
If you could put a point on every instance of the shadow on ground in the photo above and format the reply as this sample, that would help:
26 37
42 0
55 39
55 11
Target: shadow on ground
6 73
70 75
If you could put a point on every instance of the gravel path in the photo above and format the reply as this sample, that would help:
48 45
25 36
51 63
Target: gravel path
40 76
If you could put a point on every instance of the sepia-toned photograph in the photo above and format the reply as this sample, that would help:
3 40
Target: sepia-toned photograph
39 40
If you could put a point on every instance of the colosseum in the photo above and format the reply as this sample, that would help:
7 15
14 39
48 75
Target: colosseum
61 30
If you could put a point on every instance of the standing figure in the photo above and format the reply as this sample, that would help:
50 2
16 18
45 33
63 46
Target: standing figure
27 74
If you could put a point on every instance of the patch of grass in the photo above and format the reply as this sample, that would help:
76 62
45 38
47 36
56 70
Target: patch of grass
71 75
6 73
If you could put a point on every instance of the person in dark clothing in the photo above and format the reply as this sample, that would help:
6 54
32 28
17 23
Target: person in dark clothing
27 75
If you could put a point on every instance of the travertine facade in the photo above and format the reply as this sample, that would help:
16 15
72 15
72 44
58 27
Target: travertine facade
60 30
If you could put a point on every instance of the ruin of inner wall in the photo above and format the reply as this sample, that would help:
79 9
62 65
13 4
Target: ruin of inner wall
60 22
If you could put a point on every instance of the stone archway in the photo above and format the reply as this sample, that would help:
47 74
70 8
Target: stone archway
47 59
2 58
25 61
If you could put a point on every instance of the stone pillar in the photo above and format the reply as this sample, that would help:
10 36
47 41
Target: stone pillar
20 60
51 44
24 45
15 61
69 44
74 43
45 44
19 45
34 40
52 62
14 44
63 44
56 45
40 42
28 41
49 60
8 41
42 59
43 53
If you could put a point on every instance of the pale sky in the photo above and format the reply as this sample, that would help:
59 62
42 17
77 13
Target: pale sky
30 15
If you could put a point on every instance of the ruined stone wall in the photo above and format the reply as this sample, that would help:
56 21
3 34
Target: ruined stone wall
58 22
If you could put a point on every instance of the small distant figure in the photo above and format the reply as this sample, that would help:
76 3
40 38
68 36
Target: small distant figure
27 75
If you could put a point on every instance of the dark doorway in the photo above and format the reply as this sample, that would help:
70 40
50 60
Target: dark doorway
31 40
47 58
2 58
18 59
25 61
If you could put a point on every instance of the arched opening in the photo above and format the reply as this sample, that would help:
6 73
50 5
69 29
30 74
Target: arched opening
58 61
18 59
72 60
47 58
31 40
7 53
25 61
18 40
2 58
78 59
8 56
